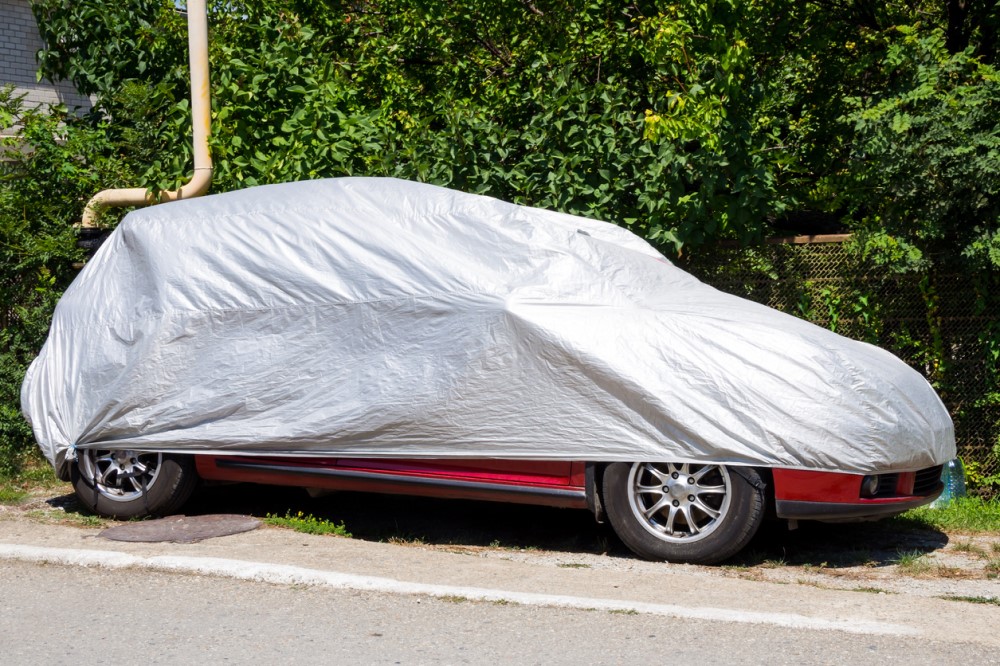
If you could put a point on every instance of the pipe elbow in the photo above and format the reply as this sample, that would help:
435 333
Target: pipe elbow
197 186
201 126
131 196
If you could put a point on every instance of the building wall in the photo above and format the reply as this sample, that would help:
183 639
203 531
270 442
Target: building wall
19 41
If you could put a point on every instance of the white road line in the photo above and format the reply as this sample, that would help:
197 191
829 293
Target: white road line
292 575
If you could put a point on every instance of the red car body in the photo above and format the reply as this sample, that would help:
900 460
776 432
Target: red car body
796 494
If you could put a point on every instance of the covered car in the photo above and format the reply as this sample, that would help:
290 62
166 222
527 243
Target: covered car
384 319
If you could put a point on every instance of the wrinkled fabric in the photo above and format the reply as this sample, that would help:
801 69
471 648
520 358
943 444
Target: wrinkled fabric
384 318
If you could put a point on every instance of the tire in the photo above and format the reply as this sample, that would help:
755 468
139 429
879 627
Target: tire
697 514
133 484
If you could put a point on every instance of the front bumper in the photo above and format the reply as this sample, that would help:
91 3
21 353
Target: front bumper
836 512
837 497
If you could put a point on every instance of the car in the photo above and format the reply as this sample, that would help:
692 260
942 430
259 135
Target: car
678 512
388 336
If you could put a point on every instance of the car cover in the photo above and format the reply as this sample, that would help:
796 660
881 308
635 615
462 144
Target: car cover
372 317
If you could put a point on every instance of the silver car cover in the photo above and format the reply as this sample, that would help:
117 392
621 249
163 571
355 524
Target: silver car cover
384 318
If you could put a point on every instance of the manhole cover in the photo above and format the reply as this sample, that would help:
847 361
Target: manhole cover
181 529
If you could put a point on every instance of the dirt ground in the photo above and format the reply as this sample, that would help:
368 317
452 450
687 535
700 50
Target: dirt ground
886 557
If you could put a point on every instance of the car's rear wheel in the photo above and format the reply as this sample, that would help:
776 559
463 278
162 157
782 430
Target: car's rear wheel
132 484
680 512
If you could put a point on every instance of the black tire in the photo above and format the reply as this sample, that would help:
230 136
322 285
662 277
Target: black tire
90 240
133 484
698 514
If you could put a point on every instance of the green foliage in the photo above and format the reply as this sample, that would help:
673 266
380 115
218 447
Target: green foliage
985 474
928 153
913 562
307 524
688 122
972 600
964 514
617 112
52 166
11 494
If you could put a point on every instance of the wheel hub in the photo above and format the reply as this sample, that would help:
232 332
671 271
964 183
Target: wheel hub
679 502
121 476
680 490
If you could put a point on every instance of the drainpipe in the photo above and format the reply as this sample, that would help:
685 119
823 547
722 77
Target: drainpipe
201 117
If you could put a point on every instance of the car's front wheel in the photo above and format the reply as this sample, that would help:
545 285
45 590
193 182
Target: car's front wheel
680 512
132 484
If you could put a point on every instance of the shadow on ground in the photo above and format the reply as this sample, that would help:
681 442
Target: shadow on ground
840 545
399 518
461 523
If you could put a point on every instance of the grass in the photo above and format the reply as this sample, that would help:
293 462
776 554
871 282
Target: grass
307 524
971 549
992 568
60 517
813 568
37 476
406 540
965 514
573 565
912 562
11 494
993 601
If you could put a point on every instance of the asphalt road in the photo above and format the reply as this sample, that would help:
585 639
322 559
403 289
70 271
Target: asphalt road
469 582
55 614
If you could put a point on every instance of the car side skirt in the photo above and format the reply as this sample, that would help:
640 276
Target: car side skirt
333 478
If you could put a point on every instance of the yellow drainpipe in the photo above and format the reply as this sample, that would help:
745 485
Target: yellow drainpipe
201 118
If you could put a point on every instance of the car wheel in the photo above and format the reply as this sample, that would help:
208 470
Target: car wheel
680 512
132 484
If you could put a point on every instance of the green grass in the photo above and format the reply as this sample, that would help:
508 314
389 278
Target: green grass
307 524
60 517
912 562
965 514
37 475
406 540
973 600
971 549
11 493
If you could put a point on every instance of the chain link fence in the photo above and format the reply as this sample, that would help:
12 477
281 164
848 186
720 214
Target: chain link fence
946 326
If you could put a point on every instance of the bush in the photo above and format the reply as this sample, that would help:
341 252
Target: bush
52 164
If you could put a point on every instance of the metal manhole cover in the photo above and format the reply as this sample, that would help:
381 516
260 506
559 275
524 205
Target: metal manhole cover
181 529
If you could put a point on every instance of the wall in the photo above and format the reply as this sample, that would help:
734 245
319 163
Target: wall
19 41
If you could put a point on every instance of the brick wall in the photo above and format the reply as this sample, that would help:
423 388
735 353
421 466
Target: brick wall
19 41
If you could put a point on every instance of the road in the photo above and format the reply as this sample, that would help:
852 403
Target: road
277 596
58 614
